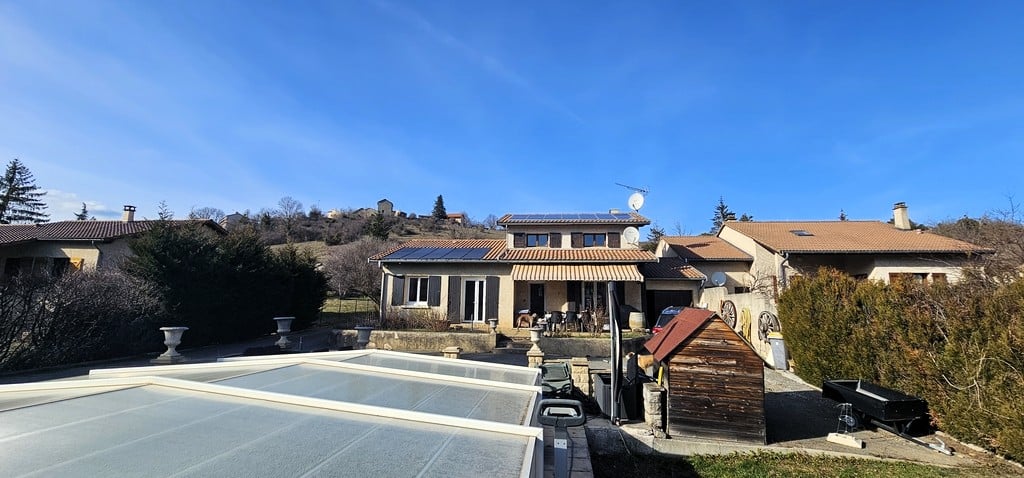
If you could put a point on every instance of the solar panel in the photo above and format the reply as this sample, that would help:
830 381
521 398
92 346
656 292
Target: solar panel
401 253
476 253
437 253
420 253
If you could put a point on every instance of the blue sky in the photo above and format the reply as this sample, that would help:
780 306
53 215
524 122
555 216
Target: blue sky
788 110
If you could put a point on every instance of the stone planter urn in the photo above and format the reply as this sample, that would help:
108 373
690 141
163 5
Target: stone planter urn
284 327
172 339
493 323
363 336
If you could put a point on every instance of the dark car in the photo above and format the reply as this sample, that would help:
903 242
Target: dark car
667 314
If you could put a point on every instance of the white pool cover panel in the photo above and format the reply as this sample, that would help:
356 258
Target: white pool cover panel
157 430
400 392
456 368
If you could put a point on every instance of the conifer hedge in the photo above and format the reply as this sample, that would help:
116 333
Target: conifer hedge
959 346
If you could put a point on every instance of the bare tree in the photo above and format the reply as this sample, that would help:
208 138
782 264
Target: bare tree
206 212
491 221
289 207
350 272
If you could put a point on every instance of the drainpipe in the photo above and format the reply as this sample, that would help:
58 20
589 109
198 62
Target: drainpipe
383 284
782 270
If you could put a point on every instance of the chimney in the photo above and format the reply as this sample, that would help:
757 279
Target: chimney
129 213
900 218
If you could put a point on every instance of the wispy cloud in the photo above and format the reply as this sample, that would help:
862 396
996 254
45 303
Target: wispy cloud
484 61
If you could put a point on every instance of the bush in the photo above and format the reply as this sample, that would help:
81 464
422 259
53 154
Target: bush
226 288
957 346
75 317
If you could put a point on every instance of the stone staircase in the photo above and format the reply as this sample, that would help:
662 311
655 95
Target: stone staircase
512 345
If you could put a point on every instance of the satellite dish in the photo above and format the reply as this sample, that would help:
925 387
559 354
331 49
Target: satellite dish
718 279
631 235
636 201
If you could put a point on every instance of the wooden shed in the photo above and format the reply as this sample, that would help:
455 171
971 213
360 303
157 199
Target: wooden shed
714 379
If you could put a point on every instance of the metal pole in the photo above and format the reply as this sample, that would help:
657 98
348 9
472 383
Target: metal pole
616 349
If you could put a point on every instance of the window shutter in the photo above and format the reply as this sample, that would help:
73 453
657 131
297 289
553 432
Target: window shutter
519 239
577 240
397 290
454 298
613 240
555 239
434 291
491 295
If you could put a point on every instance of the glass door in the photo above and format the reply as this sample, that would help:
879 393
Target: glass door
473 301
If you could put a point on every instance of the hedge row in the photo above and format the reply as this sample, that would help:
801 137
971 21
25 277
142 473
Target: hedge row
960 347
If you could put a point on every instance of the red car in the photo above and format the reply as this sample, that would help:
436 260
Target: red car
667 315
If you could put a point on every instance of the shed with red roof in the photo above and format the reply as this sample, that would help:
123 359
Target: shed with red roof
714 379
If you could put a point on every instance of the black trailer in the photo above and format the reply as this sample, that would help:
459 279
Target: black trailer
885 408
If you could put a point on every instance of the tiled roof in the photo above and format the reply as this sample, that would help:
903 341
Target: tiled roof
670 268
848 237
496 246
678 330
705 248
83 230
625 218
580 272
544 254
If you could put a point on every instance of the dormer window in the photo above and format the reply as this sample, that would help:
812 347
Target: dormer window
536 240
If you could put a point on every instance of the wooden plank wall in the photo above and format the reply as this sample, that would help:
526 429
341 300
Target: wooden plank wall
716 387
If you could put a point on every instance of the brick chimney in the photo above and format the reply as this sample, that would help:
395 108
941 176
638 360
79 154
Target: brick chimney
900 218
129 213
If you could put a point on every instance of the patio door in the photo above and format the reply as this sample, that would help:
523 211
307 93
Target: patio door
473 300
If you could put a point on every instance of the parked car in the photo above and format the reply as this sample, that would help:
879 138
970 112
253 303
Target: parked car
667 314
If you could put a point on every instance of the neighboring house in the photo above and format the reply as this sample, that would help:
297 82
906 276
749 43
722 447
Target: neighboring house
457 218
685 267
749 262
547 262
73 245
233 220
386 208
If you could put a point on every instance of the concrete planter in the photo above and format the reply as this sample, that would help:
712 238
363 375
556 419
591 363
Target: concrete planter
284 327
172 339
363 336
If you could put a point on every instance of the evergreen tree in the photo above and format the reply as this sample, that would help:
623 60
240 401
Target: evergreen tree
378 228
653 236
439 213
842 215
746 217
20 198
722 214
83 215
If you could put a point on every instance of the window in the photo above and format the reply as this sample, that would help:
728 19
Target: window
593 240
938 278
417 294
536 240
740 290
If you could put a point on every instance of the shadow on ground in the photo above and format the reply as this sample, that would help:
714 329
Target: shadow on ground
799 415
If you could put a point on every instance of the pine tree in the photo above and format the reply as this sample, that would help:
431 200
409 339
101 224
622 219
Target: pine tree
378 228
20 198
83 215
722 214
439 213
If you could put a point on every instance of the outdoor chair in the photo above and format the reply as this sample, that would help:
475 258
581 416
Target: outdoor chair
557 321
572 319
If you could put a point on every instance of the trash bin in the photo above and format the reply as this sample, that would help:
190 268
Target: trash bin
778 351
603 393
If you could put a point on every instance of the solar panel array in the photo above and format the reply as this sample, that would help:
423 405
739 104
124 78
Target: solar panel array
439 253
576 216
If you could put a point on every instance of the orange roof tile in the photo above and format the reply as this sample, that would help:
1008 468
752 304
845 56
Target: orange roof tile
671 268
580 272
848 237
705 248
628 218
544 254
86 230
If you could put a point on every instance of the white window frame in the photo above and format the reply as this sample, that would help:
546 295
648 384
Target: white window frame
421 286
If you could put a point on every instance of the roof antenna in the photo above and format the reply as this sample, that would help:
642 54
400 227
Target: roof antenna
636 200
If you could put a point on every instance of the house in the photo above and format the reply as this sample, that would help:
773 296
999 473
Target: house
233 220
685 265
457 218
714 380
385 208
546 263
749 262
73 245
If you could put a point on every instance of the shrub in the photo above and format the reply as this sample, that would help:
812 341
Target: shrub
52 320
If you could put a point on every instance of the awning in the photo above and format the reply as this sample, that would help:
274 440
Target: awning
581 272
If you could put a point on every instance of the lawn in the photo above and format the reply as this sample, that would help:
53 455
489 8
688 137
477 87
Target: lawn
764 464
348 313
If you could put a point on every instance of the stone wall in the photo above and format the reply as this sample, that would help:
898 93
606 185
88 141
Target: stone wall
404 341
565 347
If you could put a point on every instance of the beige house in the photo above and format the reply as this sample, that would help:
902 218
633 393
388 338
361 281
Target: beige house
546 263
685 267
72 245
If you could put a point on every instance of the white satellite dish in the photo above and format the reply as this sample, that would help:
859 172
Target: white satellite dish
636 201
631 235
718 279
